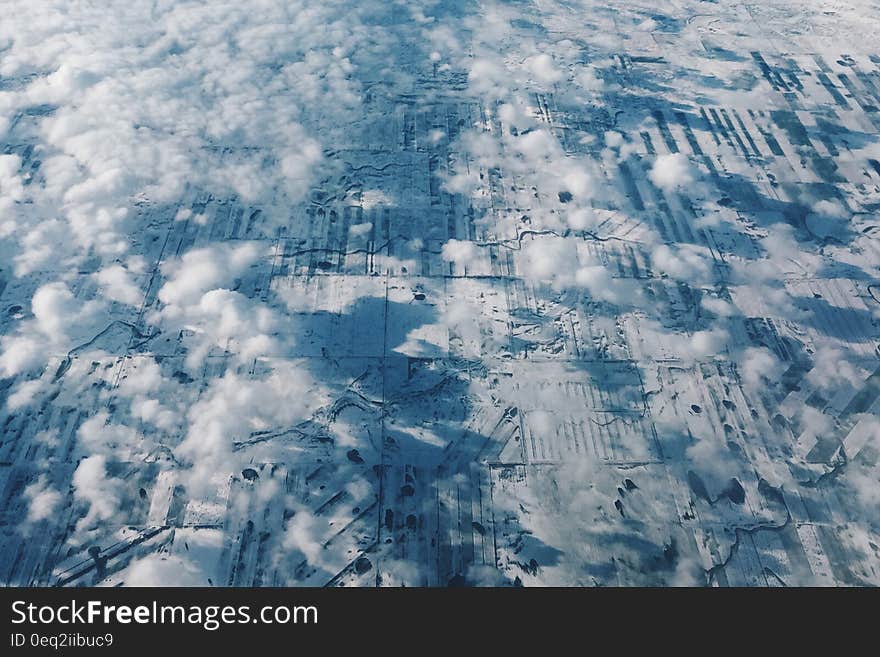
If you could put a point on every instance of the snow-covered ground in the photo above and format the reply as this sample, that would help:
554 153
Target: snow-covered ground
439 292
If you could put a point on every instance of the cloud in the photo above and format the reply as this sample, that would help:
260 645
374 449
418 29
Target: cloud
234 322
303 534
488 77
566 263
672 172
684 262
11 185
232 408
43 500
144 103
97 435
117 284
54 308
196 301
551 260
102 493
758 365
461 252
463 317
832 369
59 320
543 69
24 394
717 306
19 354
205 269
589 79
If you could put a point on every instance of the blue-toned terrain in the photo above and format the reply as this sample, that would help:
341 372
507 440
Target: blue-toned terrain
440 293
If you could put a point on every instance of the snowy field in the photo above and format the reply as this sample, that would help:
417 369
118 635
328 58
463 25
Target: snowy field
440 292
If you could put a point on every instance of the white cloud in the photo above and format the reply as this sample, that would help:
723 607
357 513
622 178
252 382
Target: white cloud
43 500
19 353
102 493
235 406
303 532
684 262
757 365
543 69
60 319
97 435
117 284
717 306
550 260
461 252
205 269
672 172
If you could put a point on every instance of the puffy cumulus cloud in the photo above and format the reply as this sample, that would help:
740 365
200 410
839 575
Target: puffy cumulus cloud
11 186
303 535
516 116
833 369
683 262
39 246
145 101
758 366
461 252
581 219
717 306
43 499
195 299
656 341
543 69
589 78
831 208
576 180
101 492
550 260
153 399
597 280
155 412
565 262
234 407
233 322
714 462
487 76
204 269
672 172
227 320
24 394
19 354
613 139
463 317
60 319
707 343
117 283
97 435
143 377
55 309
